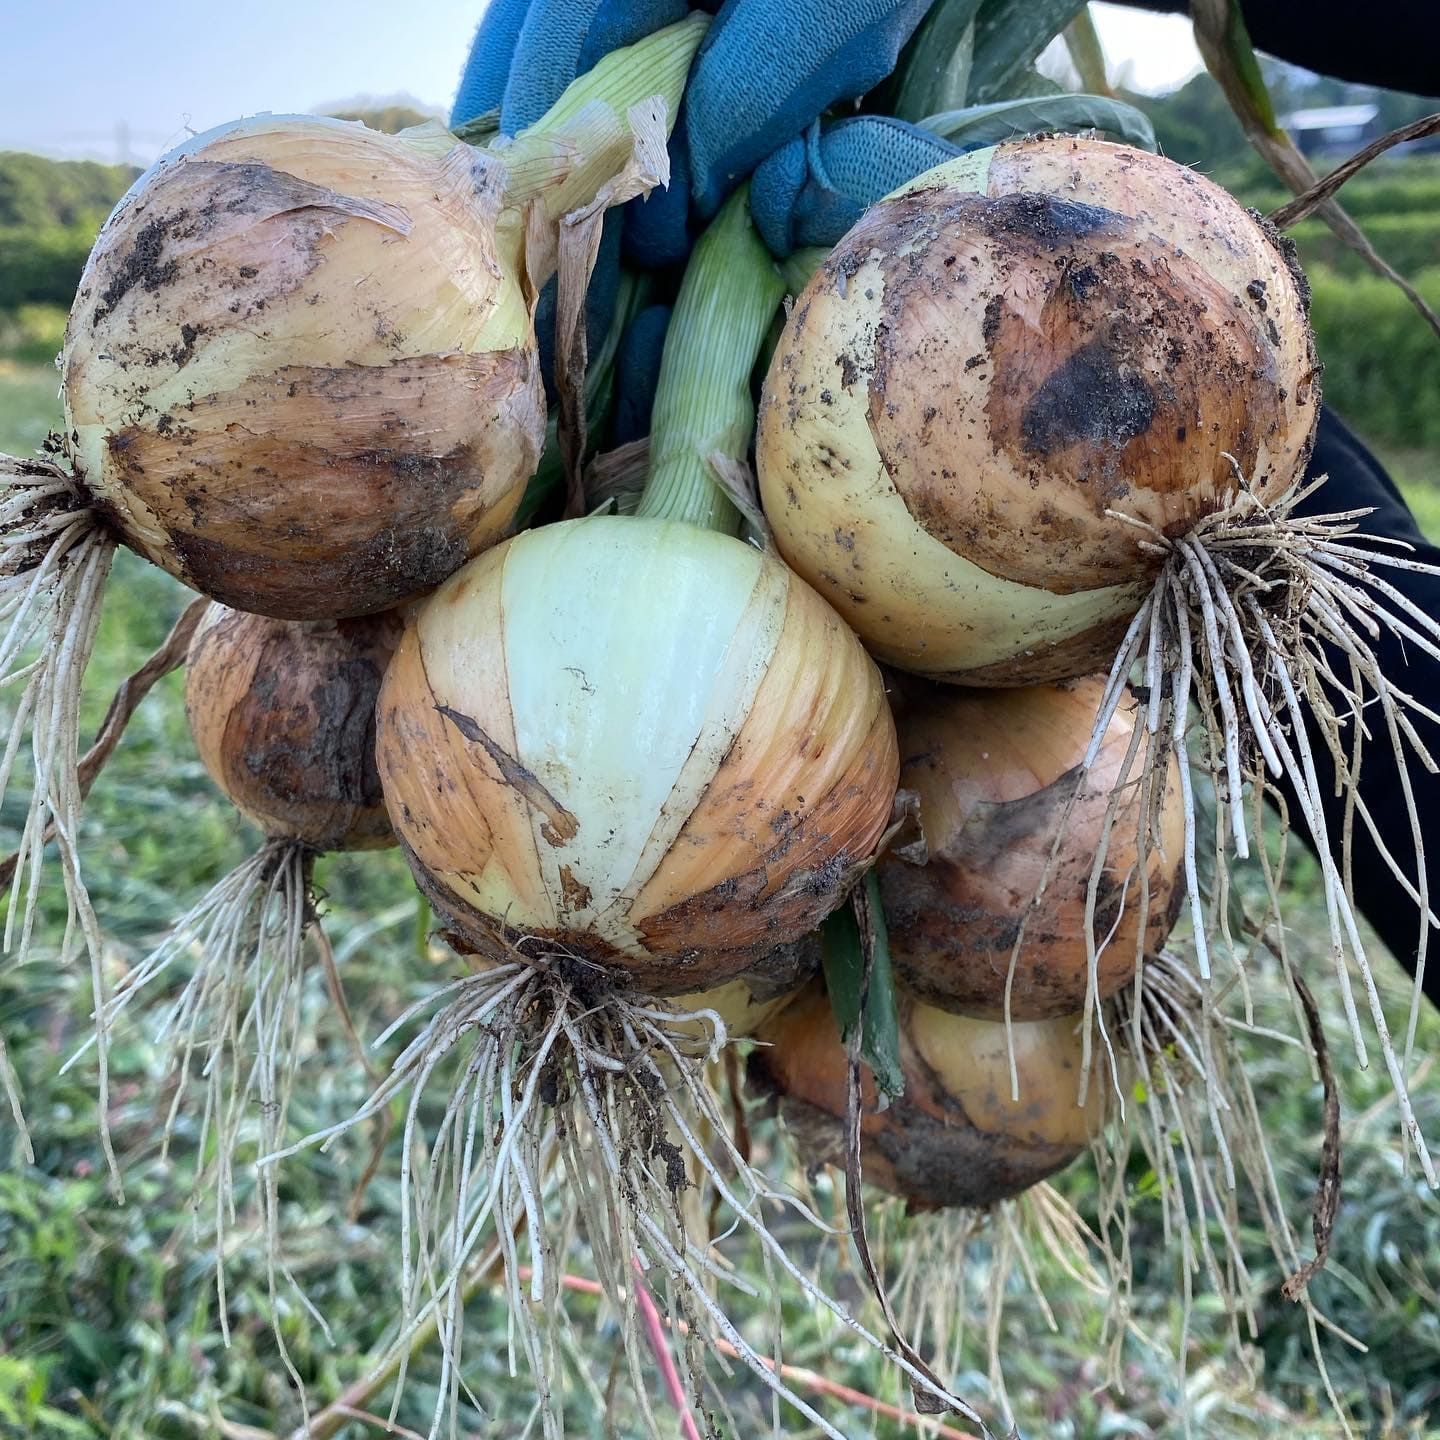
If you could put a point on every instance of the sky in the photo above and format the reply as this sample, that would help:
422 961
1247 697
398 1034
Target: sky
110 81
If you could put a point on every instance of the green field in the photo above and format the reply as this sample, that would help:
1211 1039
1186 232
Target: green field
29 406
108 1315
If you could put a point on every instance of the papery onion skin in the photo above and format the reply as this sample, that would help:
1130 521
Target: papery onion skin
753 999
996 775
1020 341
300 372
638 744
954 1138
283 715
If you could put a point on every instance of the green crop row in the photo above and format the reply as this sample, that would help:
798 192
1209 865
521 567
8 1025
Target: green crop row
1382 361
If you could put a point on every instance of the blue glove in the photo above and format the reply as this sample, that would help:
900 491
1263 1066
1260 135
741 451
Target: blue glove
811 191
637 370
768 69
527 51
483 81
658 229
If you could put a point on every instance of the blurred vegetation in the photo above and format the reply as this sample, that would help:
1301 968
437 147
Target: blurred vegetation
1382 362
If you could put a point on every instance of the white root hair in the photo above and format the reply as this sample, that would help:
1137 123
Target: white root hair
958 1271
54 560
1248 617
237 1025
549 1073
1193 1116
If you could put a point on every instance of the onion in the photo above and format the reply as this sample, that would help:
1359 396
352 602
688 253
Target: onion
300 374
637 745
283 715
954 1137
1013 825
994 360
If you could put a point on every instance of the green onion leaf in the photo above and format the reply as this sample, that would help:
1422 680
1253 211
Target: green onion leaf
856 953
989 124
1009 34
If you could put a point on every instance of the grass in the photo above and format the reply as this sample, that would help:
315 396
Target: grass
108 1315
29 405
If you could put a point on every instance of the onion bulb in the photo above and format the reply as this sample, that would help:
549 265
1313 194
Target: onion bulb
300 372
1013 826
640 750
996 364
954 1137
283 715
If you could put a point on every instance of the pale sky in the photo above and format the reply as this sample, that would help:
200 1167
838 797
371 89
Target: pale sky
106 79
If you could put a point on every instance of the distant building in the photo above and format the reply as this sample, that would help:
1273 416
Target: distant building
1333 128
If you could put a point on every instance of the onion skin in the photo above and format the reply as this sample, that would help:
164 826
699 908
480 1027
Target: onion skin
994 772
954 1137
283 715
637 744
751 1001
300 372
995 357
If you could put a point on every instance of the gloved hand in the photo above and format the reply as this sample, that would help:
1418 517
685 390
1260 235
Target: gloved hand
765 73
811 191
527 51
768 69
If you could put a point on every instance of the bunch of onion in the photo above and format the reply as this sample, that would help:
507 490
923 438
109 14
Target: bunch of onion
1010 915
1046 410
628 758
283 716
301 375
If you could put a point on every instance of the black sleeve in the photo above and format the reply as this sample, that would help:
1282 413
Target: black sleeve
1357 479
1391 43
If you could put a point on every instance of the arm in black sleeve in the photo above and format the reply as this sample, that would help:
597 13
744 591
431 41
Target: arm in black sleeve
1357 479
1391 43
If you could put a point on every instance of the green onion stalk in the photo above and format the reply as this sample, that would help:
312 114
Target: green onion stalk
703 406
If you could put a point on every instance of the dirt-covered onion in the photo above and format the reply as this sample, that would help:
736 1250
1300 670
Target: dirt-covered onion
1013 826
994 360
955 1137
637 744
283 715
300 372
